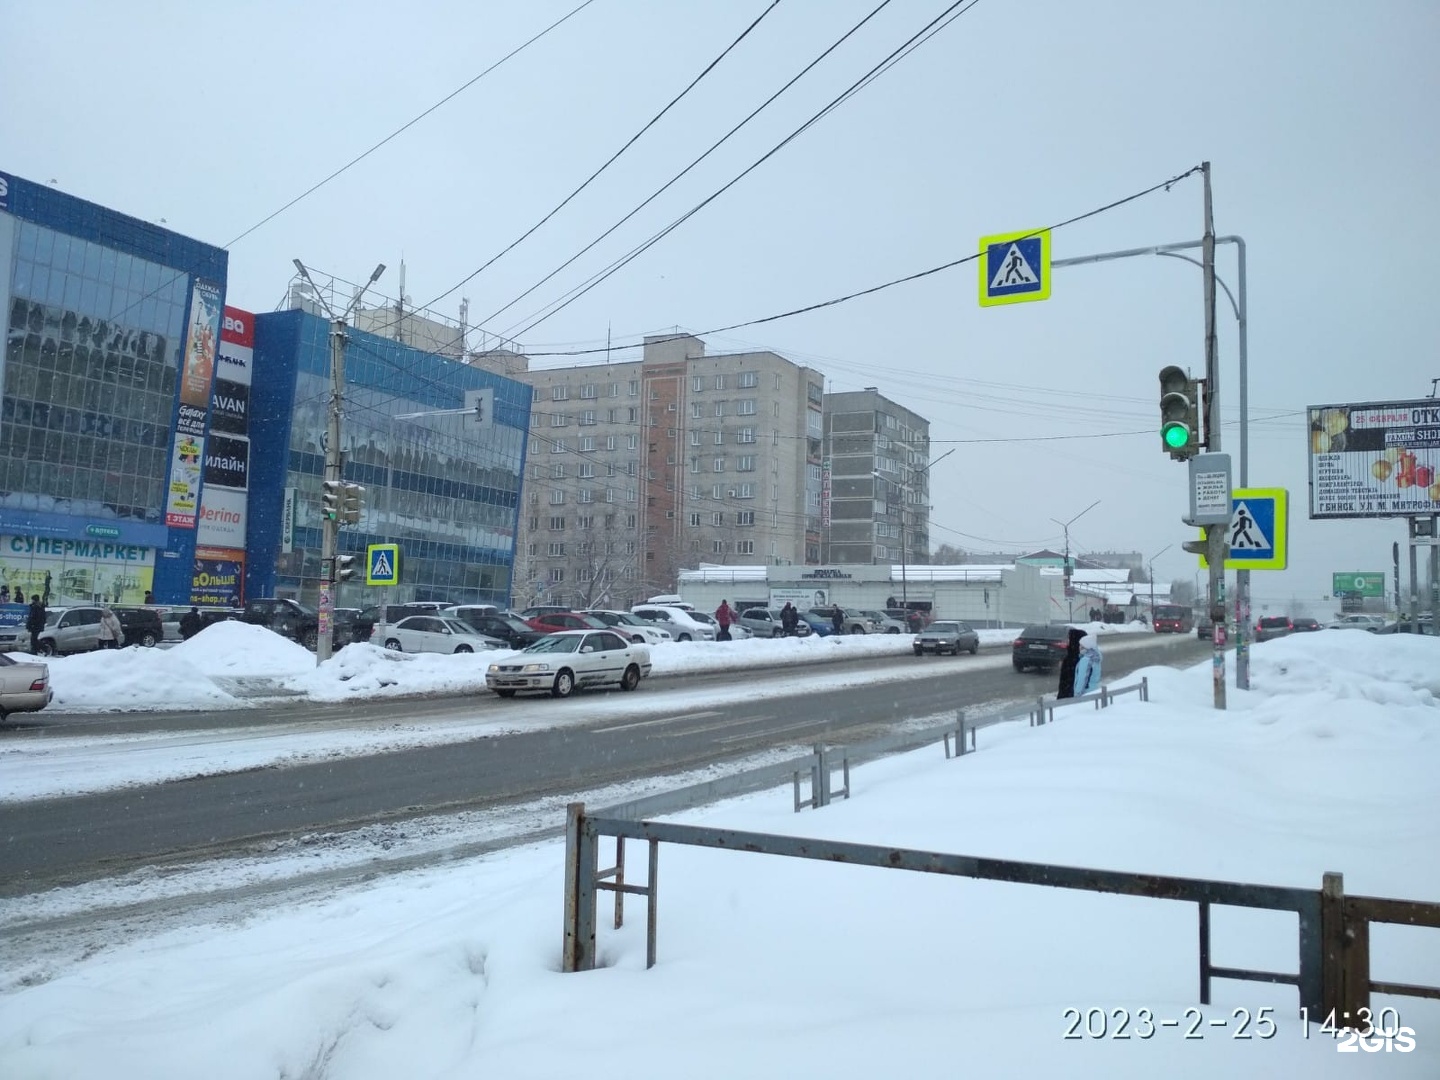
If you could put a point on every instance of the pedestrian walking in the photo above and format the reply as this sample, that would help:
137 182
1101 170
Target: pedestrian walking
914 621
35 622
190 624
111 632
1068 664
1087 668
724 616
789 619
837 619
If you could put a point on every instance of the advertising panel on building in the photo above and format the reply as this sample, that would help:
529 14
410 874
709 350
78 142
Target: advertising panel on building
224 504
1375 459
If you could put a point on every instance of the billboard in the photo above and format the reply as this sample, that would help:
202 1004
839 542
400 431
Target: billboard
1357 583
1375 459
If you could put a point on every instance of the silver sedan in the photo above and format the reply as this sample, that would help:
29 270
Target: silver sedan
569 660
942 637
24 686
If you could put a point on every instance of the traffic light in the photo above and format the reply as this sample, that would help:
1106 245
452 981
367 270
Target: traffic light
1179 413
344 568
352 502
332 495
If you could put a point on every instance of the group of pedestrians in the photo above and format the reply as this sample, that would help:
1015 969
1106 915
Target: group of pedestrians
726 617
1080 669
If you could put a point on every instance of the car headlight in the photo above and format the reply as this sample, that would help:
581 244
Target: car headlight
535 667
917 640
494 669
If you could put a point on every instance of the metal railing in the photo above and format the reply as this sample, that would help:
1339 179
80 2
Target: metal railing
1044 710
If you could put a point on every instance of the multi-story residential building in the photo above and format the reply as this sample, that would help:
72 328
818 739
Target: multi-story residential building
878 481
642 468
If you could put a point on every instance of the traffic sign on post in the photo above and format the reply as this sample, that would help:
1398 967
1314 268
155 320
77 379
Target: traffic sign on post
1014 267
1257 531
382 564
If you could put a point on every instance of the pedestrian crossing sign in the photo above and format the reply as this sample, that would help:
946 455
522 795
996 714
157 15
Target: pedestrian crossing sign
1259 520
1014 267
382 564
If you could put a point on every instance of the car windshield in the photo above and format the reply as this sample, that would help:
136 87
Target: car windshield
700 616
557 643
1168 612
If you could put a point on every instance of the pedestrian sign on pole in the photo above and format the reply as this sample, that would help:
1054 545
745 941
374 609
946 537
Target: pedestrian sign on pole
1014 267
382 564
1258 528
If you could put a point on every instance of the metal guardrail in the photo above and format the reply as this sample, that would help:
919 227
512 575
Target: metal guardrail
1044 710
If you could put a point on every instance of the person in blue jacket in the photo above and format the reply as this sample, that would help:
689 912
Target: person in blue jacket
1087 668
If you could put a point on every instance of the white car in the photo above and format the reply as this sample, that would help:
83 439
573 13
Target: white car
1358 621
632 626
737 631
569 660
683 625
431 633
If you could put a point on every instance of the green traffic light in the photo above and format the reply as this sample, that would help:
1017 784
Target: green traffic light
1176 436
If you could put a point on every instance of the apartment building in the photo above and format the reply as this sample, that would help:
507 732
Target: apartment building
643 468
877 506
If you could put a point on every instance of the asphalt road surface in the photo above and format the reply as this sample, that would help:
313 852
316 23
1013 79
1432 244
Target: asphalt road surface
64 841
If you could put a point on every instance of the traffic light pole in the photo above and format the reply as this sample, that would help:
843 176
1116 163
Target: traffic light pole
1217 540
330 526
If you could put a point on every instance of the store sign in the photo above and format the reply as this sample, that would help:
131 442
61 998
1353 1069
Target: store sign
1357 583
1375 459
218 579
287 521
4 191
222 518
230 407
227 462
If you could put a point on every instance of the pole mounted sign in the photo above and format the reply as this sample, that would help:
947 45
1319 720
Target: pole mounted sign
1210 502
382 564
1358 583
1374 460
1014 267
1257 532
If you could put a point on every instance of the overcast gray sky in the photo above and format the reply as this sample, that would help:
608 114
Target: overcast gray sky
1319 119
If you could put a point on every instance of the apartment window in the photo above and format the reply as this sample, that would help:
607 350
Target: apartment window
587 470
609 495
587 495
717 547
697 410
672 407
775 409
632 442
744 491
534 498
744 547
609 521
632 468
748 379
717 517
584 573
630 521
559 446
585 523
694 438
610 468
614 390
611 442
719 464
697 383
694 545
745 408
718 491
634 387
560 393
587 442
559 419
588 390
557 498
744 517
557 524
535 418
745 463
694 521
719 438
538 472
777 381
632 416
629 547
631 494
534 446
534 524
719 408
557 549
609 547
587 418
557 472
745 435
654 393
557 575
719 382
530 550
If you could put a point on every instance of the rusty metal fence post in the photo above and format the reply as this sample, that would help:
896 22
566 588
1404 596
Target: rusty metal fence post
581 863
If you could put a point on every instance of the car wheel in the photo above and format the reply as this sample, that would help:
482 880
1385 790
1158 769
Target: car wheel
505 693
147 639
857 629
919 652
564 683
974 648
683 636
47 648
393 645
631 679
1019 666
463 649
312 639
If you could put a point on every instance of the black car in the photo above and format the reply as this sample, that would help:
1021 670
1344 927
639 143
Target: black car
494 624
288 618
1303 624
1040 647
143 626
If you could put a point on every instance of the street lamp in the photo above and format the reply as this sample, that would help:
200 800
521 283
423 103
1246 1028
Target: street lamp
905 487
1069 590
330 527
1157 554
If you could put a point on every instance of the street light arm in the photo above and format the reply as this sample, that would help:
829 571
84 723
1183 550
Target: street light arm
1235 307
299 266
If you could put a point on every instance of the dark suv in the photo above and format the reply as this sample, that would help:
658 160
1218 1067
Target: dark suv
288 618
1273 626
1040 647
143 626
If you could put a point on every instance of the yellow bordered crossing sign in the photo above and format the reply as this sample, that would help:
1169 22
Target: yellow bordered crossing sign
1014 267
1258 529
382 564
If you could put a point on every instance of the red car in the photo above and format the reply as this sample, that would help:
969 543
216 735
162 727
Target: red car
564 620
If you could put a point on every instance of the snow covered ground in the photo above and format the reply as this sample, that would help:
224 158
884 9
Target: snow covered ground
770 967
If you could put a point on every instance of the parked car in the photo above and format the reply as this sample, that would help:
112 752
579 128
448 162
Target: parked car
737 631
1172 619
365 622
1303 624
682 624
542 609
631 626
570 660
1358 621
855 622
170 619
24 686
884 623
431 633
1422 625
288 618
564 620
944 635
513 631
1273 626
1040 647
819 625
766 622
77 629
1204 627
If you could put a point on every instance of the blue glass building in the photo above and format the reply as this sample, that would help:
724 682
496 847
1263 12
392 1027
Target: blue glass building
442 485
112 326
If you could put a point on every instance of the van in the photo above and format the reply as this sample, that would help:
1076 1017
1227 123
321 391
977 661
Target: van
1173 619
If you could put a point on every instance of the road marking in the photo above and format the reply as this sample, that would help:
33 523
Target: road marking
658 720
774 731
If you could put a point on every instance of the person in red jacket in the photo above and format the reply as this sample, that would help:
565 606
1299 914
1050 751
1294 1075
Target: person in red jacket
724 616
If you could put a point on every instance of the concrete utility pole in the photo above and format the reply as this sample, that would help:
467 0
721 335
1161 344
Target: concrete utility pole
1069 588
1217 539
334 464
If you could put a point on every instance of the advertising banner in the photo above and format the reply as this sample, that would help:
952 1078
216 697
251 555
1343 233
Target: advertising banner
287 521
824 494
226 468
227 462
75 571
182 498
804 599
222 518
202 339
230 408
1375 459
1357 583
237 346
218 579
